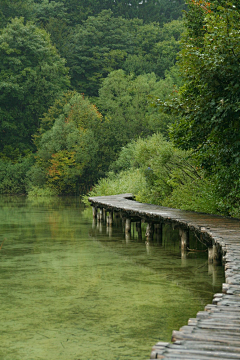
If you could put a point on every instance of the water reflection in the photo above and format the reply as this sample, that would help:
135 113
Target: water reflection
71 288
167 242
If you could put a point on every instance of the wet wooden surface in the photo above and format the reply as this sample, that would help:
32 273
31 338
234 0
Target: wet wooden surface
215 332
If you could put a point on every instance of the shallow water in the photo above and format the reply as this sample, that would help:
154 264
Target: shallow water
69 291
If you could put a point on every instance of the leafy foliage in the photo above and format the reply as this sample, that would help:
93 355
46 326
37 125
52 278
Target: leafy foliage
103 44
151 10
32 74
13 176
10 9
67 150
157 172
123 99
209 100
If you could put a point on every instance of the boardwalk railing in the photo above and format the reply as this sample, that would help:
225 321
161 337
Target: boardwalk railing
215 332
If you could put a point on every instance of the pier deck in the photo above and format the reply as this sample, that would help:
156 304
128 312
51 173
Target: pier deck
215 332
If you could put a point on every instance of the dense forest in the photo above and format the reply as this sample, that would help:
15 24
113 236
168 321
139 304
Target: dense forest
113 97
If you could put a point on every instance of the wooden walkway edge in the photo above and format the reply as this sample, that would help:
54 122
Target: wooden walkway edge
215 332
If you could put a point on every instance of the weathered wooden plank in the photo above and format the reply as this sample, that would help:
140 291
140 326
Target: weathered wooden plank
189 353
207 337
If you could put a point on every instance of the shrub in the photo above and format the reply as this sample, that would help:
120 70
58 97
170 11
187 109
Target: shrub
13 175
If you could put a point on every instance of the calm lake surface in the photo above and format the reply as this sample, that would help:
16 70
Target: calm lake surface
71 291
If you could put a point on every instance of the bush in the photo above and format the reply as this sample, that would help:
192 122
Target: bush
41 191
158 173
13 175
128 181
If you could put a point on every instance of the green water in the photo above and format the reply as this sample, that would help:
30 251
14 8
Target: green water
70 291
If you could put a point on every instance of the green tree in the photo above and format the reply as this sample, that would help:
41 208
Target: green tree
13 175
155 48
54 18
209 100
32 75
96 48
67 157
124 102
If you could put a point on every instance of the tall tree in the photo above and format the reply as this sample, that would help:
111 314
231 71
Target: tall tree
96 48
32 74
123 99
54 18
68 148
209 101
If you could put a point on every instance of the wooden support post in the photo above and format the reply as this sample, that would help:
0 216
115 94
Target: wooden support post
128 225
101 214
110 218
184 234
127 236
214 254
94 211
149 231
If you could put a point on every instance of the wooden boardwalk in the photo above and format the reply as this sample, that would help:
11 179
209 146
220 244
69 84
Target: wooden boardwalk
215 332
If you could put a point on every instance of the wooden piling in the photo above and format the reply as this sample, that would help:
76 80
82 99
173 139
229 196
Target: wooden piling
94 211
128 225
184 235
149 231
110 218
100 214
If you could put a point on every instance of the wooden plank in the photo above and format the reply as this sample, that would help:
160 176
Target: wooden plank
207 337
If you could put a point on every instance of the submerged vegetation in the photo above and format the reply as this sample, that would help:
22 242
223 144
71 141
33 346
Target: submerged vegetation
105 97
